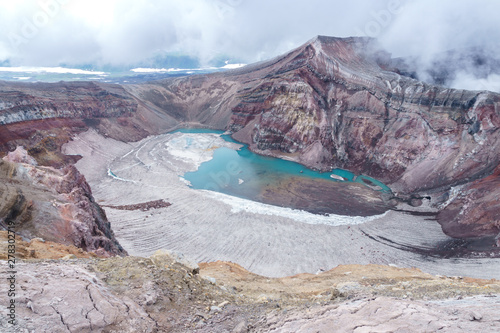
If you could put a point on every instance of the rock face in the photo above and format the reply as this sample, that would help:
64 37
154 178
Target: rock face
330 103
384 315
475 211
332 106
53 204
342 103
68 298
84 100
42 116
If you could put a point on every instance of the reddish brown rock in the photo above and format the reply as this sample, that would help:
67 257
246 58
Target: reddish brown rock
44 116
331 107
475 211
330 104
53 204
74 100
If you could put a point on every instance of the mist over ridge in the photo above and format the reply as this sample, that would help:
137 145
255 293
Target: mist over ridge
125 34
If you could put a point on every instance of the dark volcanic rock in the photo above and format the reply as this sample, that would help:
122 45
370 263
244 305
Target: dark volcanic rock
322 196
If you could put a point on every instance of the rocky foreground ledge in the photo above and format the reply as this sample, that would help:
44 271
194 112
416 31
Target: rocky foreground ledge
168 293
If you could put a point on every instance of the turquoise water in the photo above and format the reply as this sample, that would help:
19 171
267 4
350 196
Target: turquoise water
245 174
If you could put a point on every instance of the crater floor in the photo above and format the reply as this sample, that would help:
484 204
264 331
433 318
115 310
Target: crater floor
268 240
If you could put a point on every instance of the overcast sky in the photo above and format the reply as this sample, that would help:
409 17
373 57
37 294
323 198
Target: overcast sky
121 32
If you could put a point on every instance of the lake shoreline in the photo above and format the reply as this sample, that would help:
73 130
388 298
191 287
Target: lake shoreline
259 237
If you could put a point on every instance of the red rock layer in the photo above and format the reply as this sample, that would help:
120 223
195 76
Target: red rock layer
333 103
54 204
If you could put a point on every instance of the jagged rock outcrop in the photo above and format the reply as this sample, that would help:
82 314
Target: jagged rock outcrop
53 204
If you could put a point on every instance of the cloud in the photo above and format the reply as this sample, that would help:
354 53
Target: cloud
469 81
49 32
426 27
426 30
125 32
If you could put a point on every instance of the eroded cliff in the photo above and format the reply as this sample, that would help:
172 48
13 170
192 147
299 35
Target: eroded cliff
53 204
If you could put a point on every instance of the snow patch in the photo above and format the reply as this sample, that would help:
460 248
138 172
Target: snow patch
239 205
232 66
57 70
187 70
112 175
194 149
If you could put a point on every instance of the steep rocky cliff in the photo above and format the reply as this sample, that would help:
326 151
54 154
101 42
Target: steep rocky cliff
334 103
334 107
330 103
44 116
84 100
475 209
338 108
53 204
342 103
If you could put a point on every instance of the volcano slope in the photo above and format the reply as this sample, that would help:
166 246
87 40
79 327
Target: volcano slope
337 103
329 103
